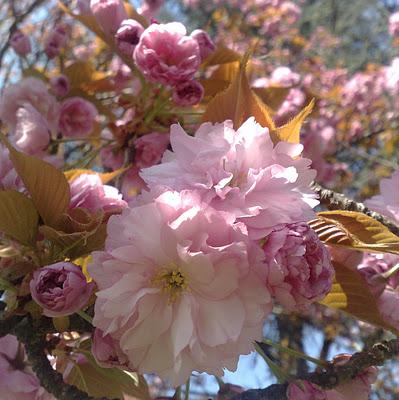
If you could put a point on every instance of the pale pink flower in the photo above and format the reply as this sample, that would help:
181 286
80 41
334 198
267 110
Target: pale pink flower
128 36
9 178
241 172
150 7
392 76
387 203
165 54
17 380
20 43
299 270
77 117
304 390
112 157
34 92
150 148
60 85
284 76
109 14
132 184
188 93
179 287
107 352
206 45
394 24
32 132
87 191
60 289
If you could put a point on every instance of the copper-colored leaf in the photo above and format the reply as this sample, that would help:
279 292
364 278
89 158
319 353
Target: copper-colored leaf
222 55
18 217
290 132
350 293
273 96
46 185
238 102
355 230
105 176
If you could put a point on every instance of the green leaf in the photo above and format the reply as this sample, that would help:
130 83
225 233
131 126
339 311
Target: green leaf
18 217
47 186
108 382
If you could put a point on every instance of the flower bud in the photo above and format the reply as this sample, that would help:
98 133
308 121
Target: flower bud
60 289
205 43
20 43
128 36
150 148
56 40
109 14
60 85
298 266
188 93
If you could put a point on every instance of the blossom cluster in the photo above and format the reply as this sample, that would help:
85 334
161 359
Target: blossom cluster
191 267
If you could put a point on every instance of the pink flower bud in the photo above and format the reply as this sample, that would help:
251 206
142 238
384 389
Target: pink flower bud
299 266
206 45
20 43
60 85
304 390
188 93
128 36
150 148
166 55
107 351
109 14
61 289
394 24
150 7
77 117
56 40
87 191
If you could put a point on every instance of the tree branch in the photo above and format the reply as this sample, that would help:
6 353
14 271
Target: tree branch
338 201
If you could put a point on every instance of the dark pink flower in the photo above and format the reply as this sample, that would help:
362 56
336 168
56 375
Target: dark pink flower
20 43
188 93
109 14
165 54
205 43
299 270
60 289
60 85
56 40
77 117
128 36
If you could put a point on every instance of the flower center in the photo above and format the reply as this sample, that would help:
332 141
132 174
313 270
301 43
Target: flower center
172 282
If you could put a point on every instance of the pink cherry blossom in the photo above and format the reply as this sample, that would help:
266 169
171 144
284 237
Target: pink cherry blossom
179 287
165 54
150 7
388 305
241 172
107 352
299 270
128 36
56 40
60 85
32 132
17 380
394 24
9 178
34 92
60 289
87 191
20 43
206 45
188 93
387 202
109 14
150 148
77 117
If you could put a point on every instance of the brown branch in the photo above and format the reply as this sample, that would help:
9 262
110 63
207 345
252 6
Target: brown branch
337 201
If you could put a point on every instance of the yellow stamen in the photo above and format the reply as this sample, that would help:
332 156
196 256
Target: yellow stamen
171 282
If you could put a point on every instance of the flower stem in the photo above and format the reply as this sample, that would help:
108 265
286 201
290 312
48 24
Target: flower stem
85 316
